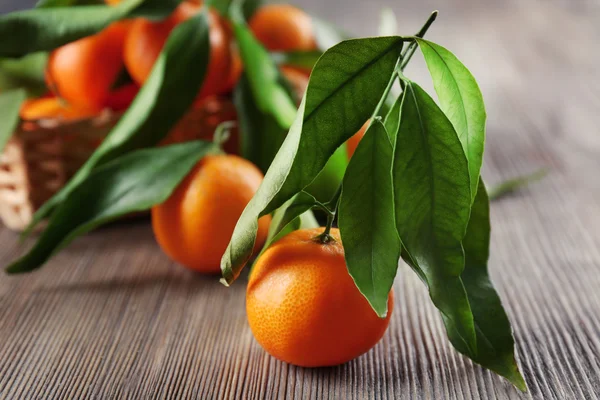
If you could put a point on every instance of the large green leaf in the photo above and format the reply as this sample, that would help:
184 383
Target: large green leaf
29 68
25 72
171 88
260 134
366 218
392 119
461 101
495 343
132 183
270 95
43 29
432 205
345 86
10 105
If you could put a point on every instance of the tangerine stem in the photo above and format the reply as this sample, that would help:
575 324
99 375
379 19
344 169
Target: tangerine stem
386 92
332 206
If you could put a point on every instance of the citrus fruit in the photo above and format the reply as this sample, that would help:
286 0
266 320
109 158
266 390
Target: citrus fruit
83 72
195 224
147 38
353 142
54 108
304 308
283 27
202 121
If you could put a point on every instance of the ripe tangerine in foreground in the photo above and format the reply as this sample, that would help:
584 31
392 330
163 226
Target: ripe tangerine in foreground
194 226
304 308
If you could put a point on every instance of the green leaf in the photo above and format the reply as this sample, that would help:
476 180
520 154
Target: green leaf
389 24
345 86
512 185
392 119
293 215
324 186
31 67
132 183
10 105
461 101
432 203
26 72
249 7
299 59
297 206
43 29
327 35
495 343
170 90
260 134
366 218
270 95
65 3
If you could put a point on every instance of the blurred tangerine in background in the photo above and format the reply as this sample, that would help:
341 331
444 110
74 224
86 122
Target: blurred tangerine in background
194 226
146 39
75 73
283 27
53 108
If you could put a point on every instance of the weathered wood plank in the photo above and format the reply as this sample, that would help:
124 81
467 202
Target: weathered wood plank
111 317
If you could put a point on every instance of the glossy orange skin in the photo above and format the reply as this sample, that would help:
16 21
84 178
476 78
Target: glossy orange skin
54 108
194 226
283 27
83 72
353 142
147 38
304 308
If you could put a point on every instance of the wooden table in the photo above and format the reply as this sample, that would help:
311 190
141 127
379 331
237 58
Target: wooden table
112 317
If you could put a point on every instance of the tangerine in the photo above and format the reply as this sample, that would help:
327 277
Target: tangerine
75 73
352 143
304 308
54 108
283 27
195 224
202 120
147 38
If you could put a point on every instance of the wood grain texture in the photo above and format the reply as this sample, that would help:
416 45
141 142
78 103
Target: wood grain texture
112 318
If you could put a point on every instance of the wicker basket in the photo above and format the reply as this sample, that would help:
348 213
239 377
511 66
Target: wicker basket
39 159
42 156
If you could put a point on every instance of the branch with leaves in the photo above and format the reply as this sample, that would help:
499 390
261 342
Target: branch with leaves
412 189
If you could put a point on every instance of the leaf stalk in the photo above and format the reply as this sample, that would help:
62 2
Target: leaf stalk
412 47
